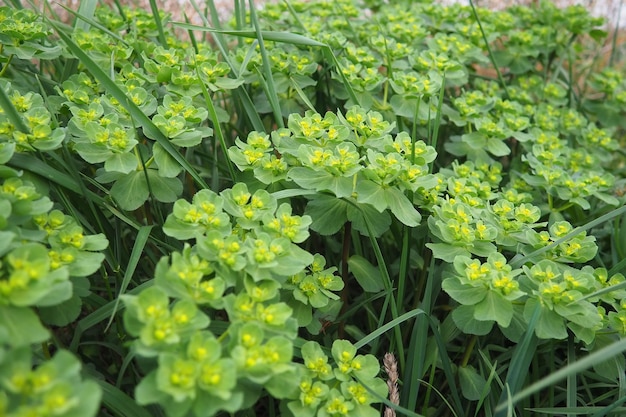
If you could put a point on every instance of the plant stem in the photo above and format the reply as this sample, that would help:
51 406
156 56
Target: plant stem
468 350
4 69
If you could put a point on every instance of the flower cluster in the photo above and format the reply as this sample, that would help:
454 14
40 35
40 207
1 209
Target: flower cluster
246 264
332 391
352 156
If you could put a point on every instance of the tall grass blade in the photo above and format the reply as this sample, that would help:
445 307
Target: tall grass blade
266 35
415 366
31 164
383 329
217 128
11 112
158 22
272 95
491 57
91 22
586 362
616 32
520 361
135 256
87 9
120 403
613 408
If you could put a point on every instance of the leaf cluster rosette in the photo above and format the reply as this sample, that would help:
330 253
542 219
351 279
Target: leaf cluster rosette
337 388
53 388
352 162
39 130
45 261
473 221
245 265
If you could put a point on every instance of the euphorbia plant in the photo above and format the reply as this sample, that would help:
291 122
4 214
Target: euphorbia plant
289 195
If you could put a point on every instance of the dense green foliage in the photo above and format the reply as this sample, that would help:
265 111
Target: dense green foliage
241 219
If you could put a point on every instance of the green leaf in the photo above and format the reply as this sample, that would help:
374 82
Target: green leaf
402 208
464 294
121 162
447 252
168 167
366 219
549 325
89 395
367 275
463 317
165 190
494 307
62 314
22 326
131 191
497 147
473 385
321 181
328 214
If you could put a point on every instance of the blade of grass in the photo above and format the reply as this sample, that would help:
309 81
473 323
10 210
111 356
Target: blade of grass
139 117
571 385
11 112
120 403
30 163
217 128
399 409
415 366
493 374
382 266
95 24
520 362
443 398
603 290
240 93
491 57
135 256
586 362
613 408
125 363
192 38
159 24
576 411
618 267
383 329
435 136
87 9
266 35
301 94
615 34
271 96
267 76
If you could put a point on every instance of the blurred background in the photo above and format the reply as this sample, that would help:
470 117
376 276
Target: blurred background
613 10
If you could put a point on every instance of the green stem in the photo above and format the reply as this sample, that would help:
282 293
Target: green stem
4 69
468 350
565 207
431 381
45 350
345 254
